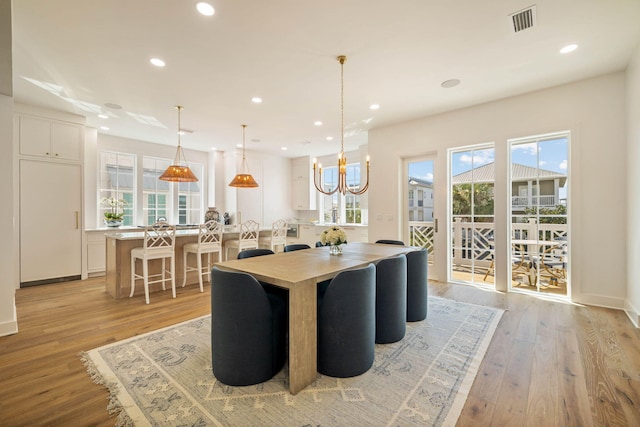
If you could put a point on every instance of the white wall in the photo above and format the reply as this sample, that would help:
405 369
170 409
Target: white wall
592 110
632 305
265 204
8 223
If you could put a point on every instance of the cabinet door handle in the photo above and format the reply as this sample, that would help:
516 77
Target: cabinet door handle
77 219
436 225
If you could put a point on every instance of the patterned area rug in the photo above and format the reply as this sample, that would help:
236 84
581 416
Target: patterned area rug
165 378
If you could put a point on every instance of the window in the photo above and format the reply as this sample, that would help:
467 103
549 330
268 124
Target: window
539 221
471 199
144 193
117 180
337 208
156 193
190 210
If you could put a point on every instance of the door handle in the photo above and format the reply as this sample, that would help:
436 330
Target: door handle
435 223
77 219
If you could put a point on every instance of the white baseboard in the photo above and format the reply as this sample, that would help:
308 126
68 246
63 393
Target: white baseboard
599 301
8 328
632 312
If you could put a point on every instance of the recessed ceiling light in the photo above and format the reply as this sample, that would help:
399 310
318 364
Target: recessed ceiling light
256 100
157 62
104 128
450 83
329 138
374 106
569 48
317 123
239 145
283 148
103 116
205 8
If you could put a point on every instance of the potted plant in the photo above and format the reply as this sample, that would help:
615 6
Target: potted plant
114 217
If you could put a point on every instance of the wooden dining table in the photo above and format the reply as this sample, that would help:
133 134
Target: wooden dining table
299 272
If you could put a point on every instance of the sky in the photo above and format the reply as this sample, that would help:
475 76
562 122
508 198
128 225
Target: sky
551 154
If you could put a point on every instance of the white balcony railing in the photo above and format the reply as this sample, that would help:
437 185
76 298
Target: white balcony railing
526 201
477 239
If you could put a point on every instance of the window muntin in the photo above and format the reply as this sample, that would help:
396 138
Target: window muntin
117 180
156 194
190 204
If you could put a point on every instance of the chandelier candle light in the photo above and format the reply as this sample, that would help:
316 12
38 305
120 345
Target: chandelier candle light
178 172
243 179
342 186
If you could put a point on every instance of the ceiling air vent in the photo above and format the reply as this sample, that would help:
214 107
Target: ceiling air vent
523 19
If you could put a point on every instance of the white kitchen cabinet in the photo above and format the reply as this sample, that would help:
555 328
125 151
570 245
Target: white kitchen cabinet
48 138
303 196
50 221
356 233
96 253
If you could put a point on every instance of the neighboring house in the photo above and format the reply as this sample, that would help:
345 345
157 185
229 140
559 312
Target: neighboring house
420 200
530 186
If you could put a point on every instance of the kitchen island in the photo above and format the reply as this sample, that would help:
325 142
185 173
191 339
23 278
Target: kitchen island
118 260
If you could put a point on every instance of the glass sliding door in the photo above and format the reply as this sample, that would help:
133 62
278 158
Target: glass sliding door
420 226
539 222
471 203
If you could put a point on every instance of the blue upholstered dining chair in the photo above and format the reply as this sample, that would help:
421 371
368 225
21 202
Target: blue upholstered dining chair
391 299
390 242
296 247
347 324
250 253
417 285
248 329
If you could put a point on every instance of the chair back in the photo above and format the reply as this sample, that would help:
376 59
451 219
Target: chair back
250 253
417 285
296 247
279 230
243 327
249 231
346 323
159 236
391 299
391 242
210 234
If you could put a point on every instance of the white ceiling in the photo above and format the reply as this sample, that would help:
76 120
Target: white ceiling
284 51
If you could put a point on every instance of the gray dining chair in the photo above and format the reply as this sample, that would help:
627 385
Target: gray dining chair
417 285
390 242
250 253
391 299
346 323
248 329
296 247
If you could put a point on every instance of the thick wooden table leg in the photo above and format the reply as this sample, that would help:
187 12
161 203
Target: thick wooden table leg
303 334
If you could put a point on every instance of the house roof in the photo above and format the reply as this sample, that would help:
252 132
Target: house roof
417 181
519 173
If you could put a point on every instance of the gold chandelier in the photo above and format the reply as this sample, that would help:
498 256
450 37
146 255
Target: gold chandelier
342 186
243 179
178 172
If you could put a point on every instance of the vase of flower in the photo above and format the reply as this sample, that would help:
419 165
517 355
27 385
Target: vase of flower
114 217
335 249
335 237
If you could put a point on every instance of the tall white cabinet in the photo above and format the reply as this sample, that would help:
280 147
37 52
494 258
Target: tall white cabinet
50 180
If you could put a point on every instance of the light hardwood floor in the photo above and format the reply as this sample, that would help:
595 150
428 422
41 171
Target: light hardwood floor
549 364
